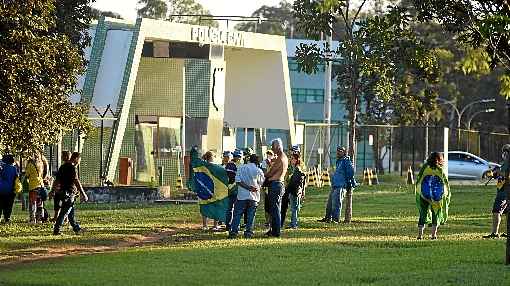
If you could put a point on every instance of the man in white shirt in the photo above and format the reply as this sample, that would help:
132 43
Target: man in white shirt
249 180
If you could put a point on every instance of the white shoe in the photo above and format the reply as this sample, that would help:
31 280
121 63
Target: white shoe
205 228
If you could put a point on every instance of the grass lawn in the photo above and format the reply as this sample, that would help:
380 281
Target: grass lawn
379 248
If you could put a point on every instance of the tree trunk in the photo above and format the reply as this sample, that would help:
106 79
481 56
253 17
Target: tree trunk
352 154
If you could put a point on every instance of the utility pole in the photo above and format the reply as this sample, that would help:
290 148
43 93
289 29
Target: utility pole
327 99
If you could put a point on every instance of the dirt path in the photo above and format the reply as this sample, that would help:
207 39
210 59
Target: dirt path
31 255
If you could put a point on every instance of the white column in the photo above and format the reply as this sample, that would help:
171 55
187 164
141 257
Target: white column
446 134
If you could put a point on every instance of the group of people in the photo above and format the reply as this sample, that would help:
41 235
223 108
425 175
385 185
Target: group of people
277 184
36 183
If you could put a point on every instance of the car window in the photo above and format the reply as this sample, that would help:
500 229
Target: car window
454 157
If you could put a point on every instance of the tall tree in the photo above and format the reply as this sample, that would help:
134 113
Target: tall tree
154 9
479 23
281 21
96 14
180 11
380 48
41 60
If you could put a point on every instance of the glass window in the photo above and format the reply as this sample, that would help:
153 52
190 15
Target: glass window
169 135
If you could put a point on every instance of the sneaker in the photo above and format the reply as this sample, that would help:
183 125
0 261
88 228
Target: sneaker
334 221
324 220
433 237
492 235
291 227
419 238
216 228
79 231
504 235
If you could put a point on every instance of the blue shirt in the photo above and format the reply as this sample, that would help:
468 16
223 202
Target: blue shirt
344 173
8 174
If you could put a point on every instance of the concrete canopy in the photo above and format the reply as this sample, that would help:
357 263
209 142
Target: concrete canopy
255 83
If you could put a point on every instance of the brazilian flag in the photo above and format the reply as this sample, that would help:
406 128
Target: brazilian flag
210 183
432 186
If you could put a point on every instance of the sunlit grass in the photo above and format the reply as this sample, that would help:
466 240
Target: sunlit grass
378 248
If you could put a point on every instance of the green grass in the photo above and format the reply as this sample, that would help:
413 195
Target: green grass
378 248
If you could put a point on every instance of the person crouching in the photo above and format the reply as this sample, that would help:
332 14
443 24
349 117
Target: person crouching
249 179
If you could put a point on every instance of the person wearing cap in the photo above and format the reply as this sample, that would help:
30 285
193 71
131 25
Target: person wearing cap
231 169
227 156
342 179
500 205
295 151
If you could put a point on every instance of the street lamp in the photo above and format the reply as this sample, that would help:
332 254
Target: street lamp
461 112
489 110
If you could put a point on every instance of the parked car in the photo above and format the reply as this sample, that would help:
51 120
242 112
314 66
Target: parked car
464 165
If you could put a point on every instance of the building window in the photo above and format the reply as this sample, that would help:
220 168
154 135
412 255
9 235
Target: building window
293 66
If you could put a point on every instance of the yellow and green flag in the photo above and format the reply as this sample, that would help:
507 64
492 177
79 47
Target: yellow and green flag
210 182
432 186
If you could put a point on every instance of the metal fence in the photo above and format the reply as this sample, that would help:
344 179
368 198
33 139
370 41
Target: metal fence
390 149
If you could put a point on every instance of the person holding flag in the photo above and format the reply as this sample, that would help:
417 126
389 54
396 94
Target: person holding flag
210 182
432 195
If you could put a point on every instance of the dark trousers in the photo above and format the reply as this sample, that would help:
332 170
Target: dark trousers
285 206
230 211
275 194
248 208
66 210
6 203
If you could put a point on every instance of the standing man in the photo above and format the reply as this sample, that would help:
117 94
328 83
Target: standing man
342 179
231 169
227 156
69 182
500 205
276 178
249 180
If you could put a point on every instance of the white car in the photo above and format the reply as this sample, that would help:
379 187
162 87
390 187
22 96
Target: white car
464 165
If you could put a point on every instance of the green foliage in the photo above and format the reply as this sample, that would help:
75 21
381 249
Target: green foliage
41 58
475 62
97 14
505 86
155 9
483 25
170 9
281 21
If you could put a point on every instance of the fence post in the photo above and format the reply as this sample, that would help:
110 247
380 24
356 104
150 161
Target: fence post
401 150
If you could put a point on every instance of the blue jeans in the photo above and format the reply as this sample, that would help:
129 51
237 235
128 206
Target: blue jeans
328 205
240 207
66 210
337 196
228 216
295 205
276 190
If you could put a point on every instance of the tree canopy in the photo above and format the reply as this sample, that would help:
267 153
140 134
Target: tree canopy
41 57
180 11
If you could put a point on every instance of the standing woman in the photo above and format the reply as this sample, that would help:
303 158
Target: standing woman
432 195
295 187
209 157
34 176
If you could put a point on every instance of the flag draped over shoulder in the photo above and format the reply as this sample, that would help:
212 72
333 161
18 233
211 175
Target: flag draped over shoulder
210 183
432 186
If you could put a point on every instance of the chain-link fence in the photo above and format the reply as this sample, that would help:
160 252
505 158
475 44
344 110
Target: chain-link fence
390 149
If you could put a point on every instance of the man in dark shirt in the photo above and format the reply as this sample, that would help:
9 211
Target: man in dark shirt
69 183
